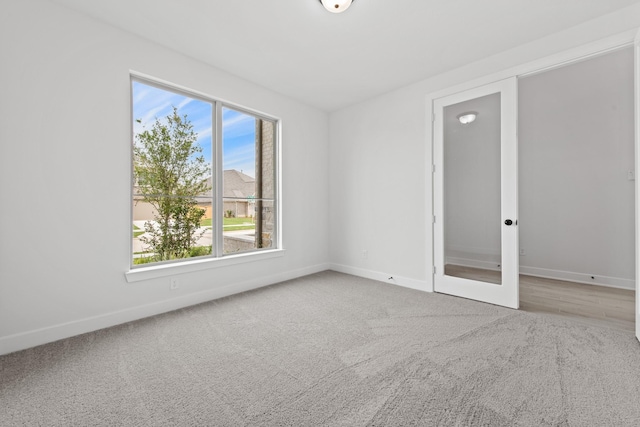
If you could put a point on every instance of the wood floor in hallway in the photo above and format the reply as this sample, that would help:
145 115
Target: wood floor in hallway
592 304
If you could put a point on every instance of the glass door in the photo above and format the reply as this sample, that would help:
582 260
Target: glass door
475 194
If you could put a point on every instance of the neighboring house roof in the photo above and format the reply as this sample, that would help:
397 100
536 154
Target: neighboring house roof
237 185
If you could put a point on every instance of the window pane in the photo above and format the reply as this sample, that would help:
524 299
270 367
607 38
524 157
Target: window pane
248 181
172 192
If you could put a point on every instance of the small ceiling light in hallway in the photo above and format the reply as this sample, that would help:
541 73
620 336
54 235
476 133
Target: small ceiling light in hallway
466 118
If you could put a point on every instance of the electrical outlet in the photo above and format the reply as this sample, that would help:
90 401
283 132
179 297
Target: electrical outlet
365 254
174 284
631 175
522 253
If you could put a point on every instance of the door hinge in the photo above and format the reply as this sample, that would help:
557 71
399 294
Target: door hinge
434 219
434 269
433 168
433 118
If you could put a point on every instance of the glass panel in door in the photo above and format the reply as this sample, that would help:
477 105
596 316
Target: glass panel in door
472 189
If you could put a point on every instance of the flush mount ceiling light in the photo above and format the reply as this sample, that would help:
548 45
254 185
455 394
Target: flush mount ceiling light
336 6
468 117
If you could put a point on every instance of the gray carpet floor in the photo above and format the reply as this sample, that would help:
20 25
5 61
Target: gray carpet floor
330 349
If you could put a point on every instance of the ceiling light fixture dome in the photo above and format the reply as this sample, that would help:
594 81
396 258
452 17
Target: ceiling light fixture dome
336 6
468 117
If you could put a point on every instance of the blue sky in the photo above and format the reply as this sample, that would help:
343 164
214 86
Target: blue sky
238 129
238 141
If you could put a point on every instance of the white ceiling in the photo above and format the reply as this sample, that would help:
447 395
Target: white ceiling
330 61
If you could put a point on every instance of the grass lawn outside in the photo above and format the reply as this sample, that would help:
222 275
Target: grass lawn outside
195 251
229 224
136 231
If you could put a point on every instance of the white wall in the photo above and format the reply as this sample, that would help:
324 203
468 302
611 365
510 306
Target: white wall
576 142
378 193
380 156
65 177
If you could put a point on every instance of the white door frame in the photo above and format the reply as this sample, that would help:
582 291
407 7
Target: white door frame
637 169
507 293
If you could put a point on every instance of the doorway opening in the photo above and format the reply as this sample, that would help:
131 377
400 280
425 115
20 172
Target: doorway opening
577 190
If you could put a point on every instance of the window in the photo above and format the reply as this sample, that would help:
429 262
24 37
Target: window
204 176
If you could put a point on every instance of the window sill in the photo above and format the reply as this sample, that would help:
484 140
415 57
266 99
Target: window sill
164 270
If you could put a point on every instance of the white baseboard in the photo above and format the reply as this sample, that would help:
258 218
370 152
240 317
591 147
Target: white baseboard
24 340
569 276
406 282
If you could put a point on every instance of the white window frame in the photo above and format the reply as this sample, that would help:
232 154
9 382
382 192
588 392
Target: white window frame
217 257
